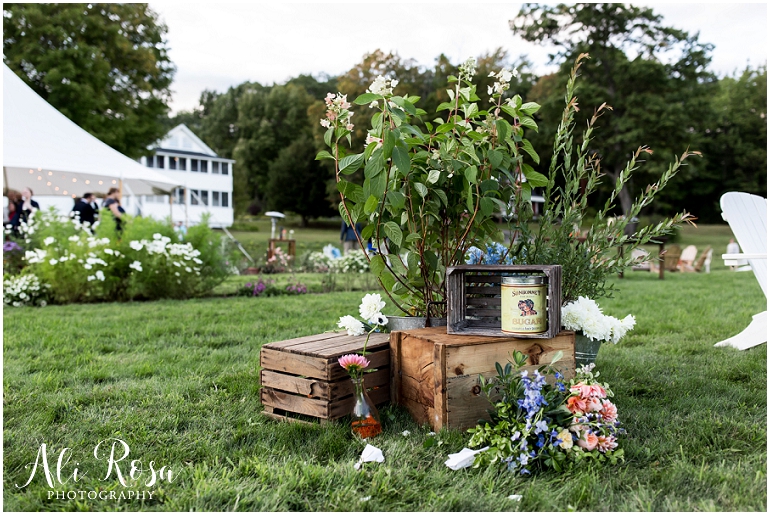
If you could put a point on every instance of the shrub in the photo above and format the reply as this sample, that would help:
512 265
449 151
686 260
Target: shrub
145 261
24 290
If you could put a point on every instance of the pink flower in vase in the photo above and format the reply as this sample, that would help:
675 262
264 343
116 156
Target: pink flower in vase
353 363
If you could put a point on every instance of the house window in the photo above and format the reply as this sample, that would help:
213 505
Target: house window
224 168
179 195
182 163
172 163
205 197
194 198
148 161
204 166
215 198
224 199
160 161
193 165
215 167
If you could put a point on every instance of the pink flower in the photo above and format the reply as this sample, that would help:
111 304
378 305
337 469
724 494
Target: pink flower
606 443
331 115
349 126
589 390
353 362
588 441
576 404
593 404
329 97
325 123
609 412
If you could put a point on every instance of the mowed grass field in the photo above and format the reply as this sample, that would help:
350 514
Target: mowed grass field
179 382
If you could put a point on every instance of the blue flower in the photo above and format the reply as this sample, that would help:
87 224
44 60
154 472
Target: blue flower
525 471
557 375
541 427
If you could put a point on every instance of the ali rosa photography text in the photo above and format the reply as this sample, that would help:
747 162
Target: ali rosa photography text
113 453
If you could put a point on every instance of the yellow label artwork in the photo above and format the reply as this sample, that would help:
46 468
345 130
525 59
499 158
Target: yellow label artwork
523 309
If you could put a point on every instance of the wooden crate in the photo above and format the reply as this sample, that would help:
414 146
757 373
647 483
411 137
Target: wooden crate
436 375
301 376
473 299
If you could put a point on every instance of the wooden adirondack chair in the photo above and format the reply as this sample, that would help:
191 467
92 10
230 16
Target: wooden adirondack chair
747 216
687 258
671 258
704 260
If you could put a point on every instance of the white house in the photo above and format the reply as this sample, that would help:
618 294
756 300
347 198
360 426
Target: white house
207 179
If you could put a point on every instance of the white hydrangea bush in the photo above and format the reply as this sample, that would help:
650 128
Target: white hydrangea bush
353 261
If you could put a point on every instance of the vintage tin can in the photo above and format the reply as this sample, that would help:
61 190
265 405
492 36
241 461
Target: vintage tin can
523 304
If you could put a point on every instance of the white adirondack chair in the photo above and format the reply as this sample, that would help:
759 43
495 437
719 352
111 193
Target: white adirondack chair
747 216
687 258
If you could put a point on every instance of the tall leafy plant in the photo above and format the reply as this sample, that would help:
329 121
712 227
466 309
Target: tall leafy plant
588 260
430 196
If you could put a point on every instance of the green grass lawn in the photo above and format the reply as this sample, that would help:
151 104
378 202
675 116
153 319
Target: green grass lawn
179 382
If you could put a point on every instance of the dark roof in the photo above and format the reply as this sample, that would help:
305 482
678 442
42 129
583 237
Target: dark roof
184 152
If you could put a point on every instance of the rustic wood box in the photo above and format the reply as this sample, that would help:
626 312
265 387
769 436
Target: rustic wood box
473 299
301 376
436 375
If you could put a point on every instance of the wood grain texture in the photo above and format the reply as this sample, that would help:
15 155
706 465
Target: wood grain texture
439 372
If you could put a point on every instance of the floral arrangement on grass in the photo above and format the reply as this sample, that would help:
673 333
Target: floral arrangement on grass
278 263
584 315
24 290
537 425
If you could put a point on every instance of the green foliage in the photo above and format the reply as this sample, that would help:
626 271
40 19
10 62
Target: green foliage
297 182
653 77
429 196
574 174
104 66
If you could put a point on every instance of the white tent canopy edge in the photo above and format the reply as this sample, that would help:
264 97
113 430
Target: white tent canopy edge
47 152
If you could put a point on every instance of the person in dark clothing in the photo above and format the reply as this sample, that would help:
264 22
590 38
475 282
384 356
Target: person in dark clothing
84 209
348 236
112 201
24 208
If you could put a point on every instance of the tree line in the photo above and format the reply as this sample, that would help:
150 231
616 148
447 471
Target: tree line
656 79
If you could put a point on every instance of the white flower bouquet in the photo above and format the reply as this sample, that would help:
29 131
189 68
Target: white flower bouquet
586 316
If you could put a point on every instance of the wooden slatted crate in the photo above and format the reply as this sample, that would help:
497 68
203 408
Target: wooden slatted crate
436 375
473 299
301 376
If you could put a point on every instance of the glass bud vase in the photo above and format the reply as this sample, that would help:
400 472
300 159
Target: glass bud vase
586 350
365 419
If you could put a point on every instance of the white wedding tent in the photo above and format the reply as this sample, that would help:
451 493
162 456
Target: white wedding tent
45 151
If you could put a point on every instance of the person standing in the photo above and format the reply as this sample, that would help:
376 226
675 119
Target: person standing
84 209
112 202
348 236
24 208
734 248
14 197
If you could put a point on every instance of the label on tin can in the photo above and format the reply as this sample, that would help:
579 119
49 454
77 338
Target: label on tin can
523 308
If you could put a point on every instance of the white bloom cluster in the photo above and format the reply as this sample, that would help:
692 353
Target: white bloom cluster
370 310
382 86
353 326
319 262
353 262
35 256
468 69
585 315
176 253
337 113
502 83
23 290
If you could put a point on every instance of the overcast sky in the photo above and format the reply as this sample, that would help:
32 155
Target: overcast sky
218 45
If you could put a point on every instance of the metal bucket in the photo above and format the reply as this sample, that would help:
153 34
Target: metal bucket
586 350
406 323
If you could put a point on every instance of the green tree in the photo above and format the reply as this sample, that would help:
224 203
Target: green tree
654 78
269 119
104 66
297 182
736 144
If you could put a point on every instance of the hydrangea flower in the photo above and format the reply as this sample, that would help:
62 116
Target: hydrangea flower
353 326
